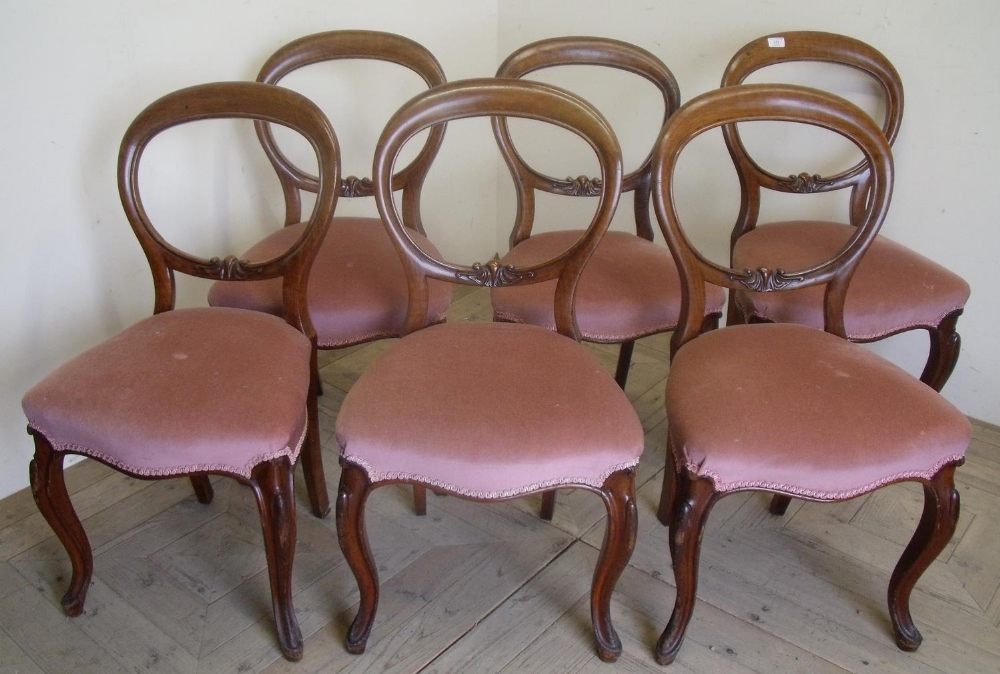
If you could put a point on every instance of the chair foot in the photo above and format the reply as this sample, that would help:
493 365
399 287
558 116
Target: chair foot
619 541
353 539
48 487
936 527
273 486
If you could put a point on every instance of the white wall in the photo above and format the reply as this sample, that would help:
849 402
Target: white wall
71 273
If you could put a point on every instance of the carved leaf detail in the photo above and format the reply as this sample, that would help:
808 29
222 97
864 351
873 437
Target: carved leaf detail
764 280
581 186
493 274
353 186
804 183
229 268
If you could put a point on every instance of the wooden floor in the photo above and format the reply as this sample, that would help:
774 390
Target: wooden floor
182 587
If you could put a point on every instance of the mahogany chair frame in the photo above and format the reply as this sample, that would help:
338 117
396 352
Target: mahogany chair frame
820 47
841 50
476 98
586 51
358 45
687 498
271 481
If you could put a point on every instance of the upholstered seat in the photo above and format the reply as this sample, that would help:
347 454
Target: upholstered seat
489 410
209 390
357 289
630 288
182 392
808 414
563 418
791 409
880 300
620 292
894 289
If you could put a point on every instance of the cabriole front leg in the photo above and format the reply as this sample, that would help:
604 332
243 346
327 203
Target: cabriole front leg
936 527
695 498
48 486
619 541
273 486
353 539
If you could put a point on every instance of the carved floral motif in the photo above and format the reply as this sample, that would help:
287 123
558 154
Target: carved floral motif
353 186
765 280
581 186
804 183
493 274
229 268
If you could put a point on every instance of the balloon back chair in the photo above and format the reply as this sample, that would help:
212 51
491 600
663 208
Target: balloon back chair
198 391
894 288
808 413
491 411
630 288
357 289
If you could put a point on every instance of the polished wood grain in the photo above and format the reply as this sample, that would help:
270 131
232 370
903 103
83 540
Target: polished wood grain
503 590
847 52
329 47
687 497
271 481
491 98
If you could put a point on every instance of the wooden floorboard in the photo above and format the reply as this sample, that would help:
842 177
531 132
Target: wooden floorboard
182 587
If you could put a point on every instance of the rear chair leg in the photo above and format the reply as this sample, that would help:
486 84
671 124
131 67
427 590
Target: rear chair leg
946 344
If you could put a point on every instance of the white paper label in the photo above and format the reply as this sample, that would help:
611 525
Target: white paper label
776 42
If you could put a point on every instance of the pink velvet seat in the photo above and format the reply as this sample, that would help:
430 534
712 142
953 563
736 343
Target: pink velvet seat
199 391
789 409
881 299
630 289
894 289
808 415
410 416
186 391
622 292
491 411
357 289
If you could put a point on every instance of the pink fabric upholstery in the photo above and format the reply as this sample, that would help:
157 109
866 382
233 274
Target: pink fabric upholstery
357 288
191 390
629 289
893 288
489 411
793 409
